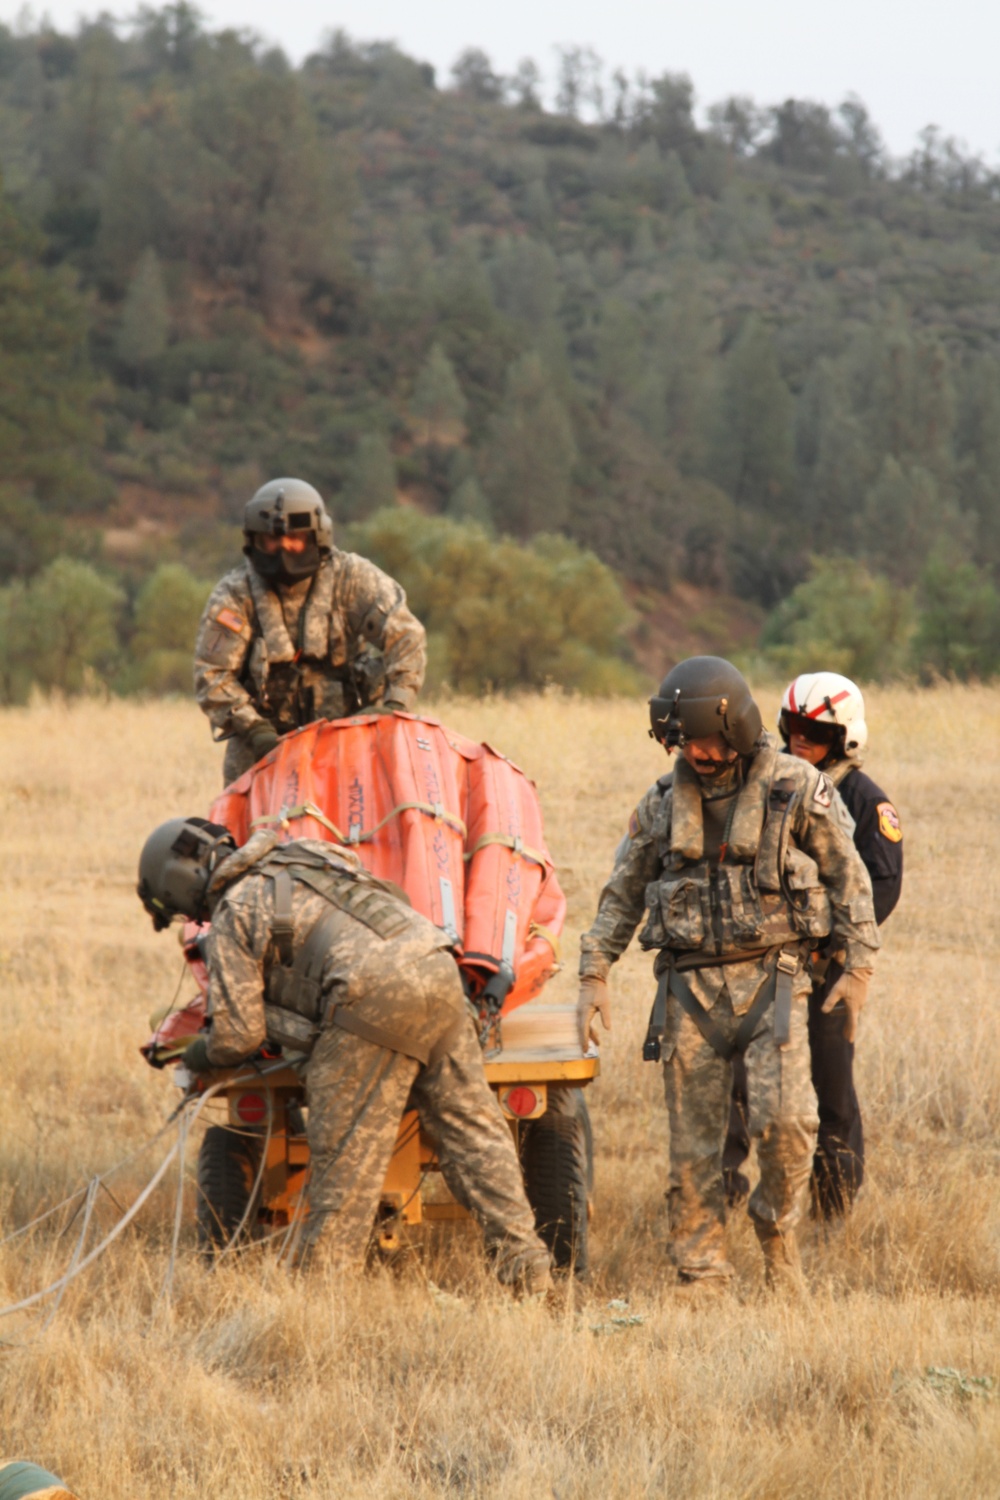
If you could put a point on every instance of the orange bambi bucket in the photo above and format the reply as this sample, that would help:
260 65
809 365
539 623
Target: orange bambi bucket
454 823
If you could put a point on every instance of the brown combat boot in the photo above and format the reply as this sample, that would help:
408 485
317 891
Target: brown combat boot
782 1265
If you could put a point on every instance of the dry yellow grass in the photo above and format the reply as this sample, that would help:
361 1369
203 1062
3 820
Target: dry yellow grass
249 1385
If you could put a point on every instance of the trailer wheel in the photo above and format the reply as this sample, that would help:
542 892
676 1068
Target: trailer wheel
228 1164
557 1155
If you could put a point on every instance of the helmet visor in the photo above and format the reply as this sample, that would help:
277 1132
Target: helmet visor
811 730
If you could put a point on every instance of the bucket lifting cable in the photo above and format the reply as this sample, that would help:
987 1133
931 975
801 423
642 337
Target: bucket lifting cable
187 1113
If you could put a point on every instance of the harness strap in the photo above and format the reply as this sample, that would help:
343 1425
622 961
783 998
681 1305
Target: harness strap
776 990
783 976
379 1036
653 1045
282 928
508 842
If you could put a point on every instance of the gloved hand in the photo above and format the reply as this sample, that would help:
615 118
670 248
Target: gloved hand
195 1055
593 1001
261 738
852 988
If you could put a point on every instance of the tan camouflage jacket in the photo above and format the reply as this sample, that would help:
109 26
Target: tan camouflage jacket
660 868
310 652
361 967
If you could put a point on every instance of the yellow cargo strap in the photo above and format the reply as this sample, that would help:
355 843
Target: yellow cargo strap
307 810
509 842
535 929
310 810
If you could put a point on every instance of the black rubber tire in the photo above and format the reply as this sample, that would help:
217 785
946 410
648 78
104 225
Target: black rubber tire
228 1164
557 1157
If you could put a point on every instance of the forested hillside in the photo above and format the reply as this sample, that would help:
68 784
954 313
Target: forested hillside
709 355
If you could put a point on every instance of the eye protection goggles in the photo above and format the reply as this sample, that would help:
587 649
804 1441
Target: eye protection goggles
809 729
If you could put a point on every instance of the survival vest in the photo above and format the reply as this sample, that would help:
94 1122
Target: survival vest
761 893
295 1000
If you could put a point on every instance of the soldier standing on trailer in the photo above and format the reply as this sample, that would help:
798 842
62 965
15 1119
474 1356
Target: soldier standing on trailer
300 631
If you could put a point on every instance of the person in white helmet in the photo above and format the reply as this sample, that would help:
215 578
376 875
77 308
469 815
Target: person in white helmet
822 721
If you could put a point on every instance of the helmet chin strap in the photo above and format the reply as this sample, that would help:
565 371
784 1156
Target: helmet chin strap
724 774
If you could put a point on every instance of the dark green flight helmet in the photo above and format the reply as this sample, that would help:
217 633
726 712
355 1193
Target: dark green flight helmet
702 696
287 507
176 865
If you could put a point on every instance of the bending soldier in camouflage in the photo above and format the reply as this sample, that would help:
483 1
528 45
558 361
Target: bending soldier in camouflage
742 860
300 631
309 952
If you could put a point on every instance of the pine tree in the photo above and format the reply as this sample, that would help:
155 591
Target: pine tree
467 502
438 403
525 276
49 428
530 452
145 319
371 479
753 449
904 516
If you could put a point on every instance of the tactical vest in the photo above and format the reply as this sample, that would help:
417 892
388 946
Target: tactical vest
317 675
762 892
295 1001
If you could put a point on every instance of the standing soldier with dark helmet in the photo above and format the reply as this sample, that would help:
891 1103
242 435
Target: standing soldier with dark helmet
300 631
741 867
822 721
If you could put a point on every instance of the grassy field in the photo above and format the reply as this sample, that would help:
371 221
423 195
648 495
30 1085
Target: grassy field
428 1381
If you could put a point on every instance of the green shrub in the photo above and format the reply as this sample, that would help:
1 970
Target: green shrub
59 631
503 615
841 619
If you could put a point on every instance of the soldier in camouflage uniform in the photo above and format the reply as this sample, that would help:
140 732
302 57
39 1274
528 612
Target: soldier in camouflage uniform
742 860
300 631
310 952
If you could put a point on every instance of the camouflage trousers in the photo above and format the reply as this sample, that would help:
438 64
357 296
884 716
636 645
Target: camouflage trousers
782 1119
357 1094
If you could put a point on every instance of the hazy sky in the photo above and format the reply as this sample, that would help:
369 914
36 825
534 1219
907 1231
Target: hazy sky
912 64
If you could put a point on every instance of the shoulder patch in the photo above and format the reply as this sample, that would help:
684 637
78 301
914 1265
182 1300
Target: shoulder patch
888 823
230 619
634 826
823 795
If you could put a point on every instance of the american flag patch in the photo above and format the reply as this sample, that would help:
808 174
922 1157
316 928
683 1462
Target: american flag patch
230 619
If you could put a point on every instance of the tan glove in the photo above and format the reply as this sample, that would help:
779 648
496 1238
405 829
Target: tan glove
593 1001
852 988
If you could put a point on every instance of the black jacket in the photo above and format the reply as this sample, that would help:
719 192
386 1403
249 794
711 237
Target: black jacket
878 838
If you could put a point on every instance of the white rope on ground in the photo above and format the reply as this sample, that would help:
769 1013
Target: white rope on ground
78 1265
88 1210
168 1280
234 1238
80 1192
125 1220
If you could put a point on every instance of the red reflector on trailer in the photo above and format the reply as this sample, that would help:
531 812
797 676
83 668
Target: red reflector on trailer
521 1101
251 1108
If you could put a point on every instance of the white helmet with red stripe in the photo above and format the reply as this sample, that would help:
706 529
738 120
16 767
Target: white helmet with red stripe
827 698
